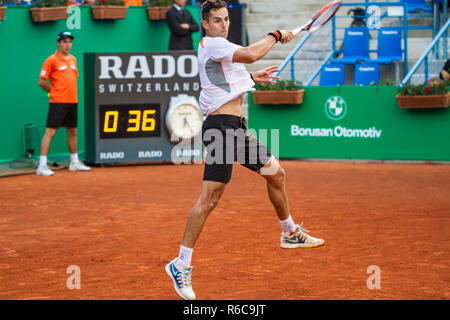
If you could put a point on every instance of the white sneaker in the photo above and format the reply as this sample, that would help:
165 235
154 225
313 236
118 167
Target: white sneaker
79 166
300 239
181 278
44 171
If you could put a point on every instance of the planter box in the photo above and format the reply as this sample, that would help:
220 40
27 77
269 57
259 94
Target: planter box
2 13
49 14
157 13
278 97
109 12
423 102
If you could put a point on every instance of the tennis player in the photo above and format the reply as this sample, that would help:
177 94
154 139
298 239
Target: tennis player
224 81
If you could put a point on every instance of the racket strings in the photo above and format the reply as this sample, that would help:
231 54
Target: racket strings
325 16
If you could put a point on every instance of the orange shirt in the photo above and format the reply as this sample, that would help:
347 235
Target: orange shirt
63 74
133 2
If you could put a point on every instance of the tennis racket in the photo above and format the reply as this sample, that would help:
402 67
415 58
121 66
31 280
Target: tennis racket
321 18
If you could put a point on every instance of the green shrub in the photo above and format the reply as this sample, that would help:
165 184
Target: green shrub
280 85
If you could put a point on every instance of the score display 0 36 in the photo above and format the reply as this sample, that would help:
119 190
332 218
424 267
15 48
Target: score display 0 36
127 101
129 121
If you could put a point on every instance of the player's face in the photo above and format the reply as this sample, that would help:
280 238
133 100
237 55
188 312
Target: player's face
65 45
217 24
180 3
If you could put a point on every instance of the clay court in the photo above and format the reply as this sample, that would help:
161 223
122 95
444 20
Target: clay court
121 225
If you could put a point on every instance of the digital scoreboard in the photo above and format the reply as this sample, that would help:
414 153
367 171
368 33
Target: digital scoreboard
142 107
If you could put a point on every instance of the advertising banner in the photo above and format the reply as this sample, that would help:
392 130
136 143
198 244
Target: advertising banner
353 123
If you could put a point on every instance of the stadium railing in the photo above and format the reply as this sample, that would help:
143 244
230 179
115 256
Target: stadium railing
319 49
432 60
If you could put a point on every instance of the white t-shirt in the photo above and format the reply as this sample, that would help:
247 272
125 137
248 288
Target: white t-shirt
221 79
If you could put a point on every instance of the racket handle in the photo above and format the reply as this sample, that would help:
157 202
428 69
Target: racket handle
296 30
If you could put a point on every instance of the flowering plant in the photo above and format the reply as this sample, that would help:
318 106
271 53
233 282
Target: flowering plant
280 85
50 3
430 88
160 3
109 3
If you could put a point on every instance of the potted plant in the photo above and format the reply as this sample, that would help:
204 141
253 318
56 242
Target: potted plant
49 10
427 95
157 9
2 11
281 92
109 9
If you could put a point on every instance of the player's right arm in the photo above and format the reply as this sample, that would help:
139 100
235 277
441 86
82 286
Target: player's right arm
45 73
44 84
259 49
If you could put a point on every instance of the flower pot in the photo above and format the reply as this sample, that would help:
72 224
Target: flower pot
2 13
423 102
163 12
153 13
109 12
49 14
278 97
157 13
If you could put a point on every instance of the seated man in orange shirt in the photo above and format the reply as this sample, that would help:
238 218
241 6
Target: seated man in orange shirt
61 69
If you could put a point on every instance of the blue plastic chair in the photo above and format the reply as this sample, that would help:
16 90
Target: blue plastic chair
366 73
389 48
389 45
422 5
356 46
332 75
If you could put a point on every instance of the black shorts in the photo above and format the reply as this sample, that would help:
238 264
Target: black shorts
228 140
62 115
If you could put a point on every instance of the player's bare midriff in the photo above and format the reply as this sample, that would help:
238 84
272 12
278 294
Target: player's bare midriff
232 107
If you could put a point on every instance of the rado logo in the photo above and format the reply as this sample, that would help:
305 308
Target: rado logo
146 66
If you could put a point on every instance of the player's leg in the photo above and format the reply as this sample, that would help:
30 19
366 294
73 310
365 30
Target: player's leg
276 188
70 122
217 174
55 119
212 191
259 159
179 269
293 235
72 142
43 169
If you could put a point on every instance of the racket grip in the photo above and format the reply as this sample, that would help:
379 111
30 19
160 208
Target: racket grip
296 30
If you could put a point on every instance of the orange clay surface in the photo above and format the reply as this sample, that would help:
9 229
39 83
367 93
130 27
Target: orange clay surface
121 225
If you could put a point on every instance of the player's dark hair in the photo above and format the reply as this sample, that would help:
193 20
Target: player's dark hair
210 5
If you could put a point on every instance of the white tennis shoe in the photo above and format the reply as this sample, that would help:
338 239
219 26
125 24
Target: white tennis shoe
79 166
181 278
44 171
299 239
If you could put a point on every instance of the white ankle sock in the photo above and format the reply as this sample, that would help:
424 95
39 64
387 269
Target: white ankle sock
42 160
184 257
74 158
288 226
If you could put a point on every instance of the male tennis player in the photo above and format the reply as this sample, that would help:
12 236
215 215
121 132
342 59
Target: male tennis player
224 81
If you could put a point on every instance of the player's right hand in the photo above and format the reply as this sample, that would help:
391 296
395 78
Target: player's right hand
286 36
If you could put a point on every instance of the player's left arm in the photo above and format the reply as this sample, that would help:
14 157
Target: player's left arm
76 67
265 75
258 50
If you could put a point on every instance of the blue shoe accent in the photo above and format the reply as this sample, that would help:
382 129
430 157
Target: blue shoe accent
175 273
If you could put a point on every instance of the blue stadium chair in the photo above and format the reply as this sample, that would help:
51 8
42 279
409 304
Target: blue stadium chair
366 73
389 48
415 5
332 75
356 46
389 45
